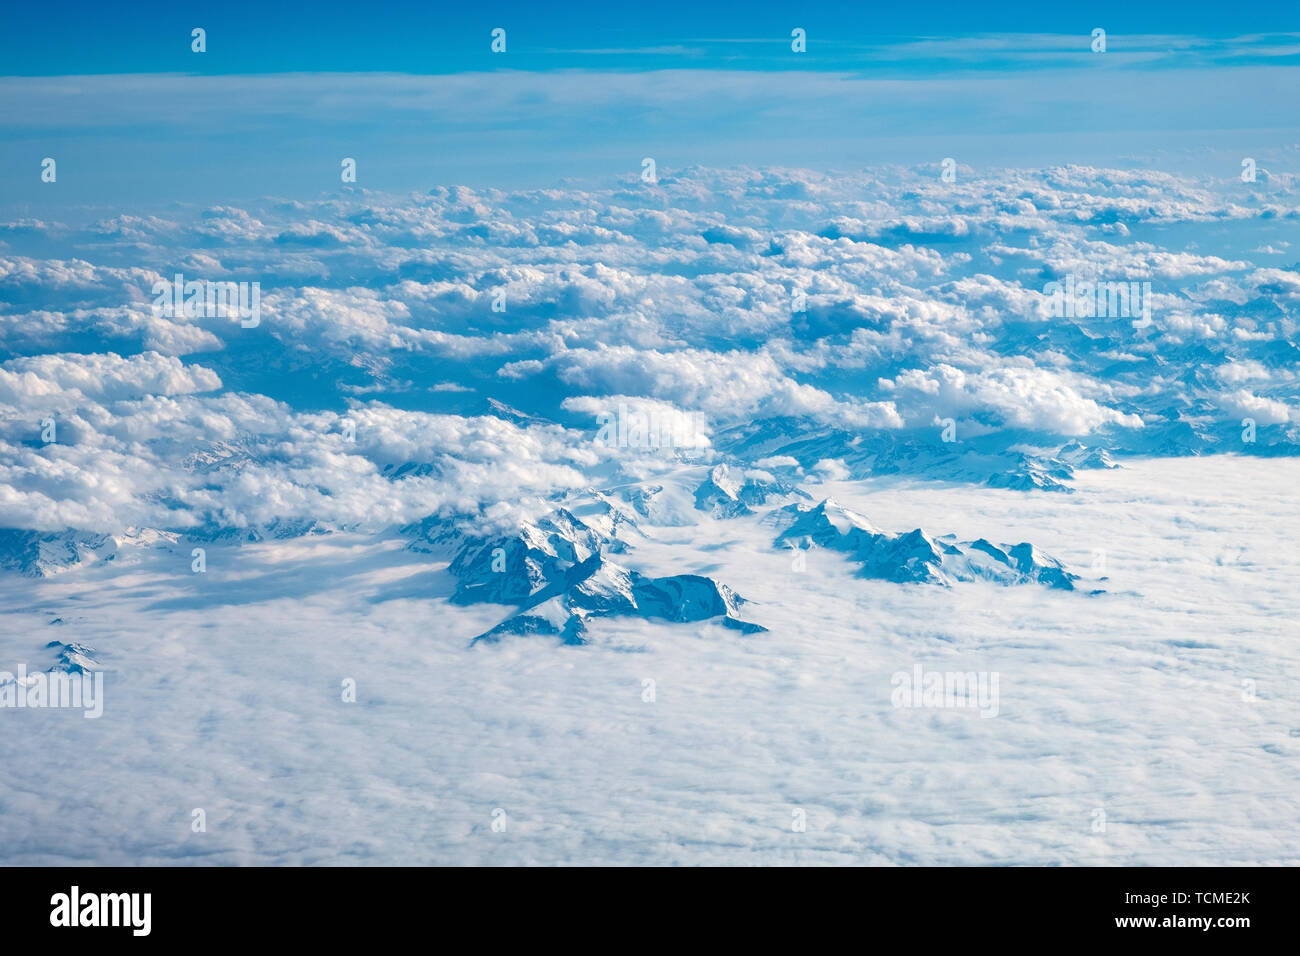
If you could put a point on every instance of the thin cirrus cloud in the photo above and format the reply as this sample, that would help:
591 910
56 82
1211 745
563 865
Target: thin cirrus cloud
118 136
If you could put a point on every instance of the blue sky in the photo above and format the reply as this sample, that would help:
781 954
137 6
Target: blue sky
422 37
414 94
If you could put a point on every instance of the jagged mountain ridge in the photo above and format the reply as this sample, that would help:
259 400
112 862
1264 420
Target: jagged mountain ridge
42 554
558 572
915 556
729 492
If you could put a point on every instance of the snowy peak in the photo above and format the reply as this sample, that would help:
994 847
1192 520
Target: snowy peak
826 525
277 529
990 459
719 494
509 413
541 555
599 588
612 519
1033 474
729 492
42 554
684 597
1078 455
914 556
73 657
669 504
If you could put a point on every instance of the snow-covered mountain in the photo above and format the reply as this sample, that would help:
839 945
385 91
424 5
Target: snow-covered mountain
985 459
557 570
275 529
546 554
915 556
729 491
598 588
43 554
73 657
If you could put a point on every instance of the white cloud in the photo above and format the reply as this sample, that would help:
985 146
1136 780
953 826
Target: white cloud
1034 398
1245 404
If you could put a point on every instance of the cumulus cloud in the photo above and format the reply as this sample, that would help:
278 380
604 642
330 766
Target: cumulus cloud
108 377
1034 398
1245 404
729 385
746 306
832 469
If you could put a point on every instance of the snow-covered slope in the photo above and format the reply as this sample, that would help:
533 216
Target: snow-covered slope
42 554
558 572
729 491
915 556
599 588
